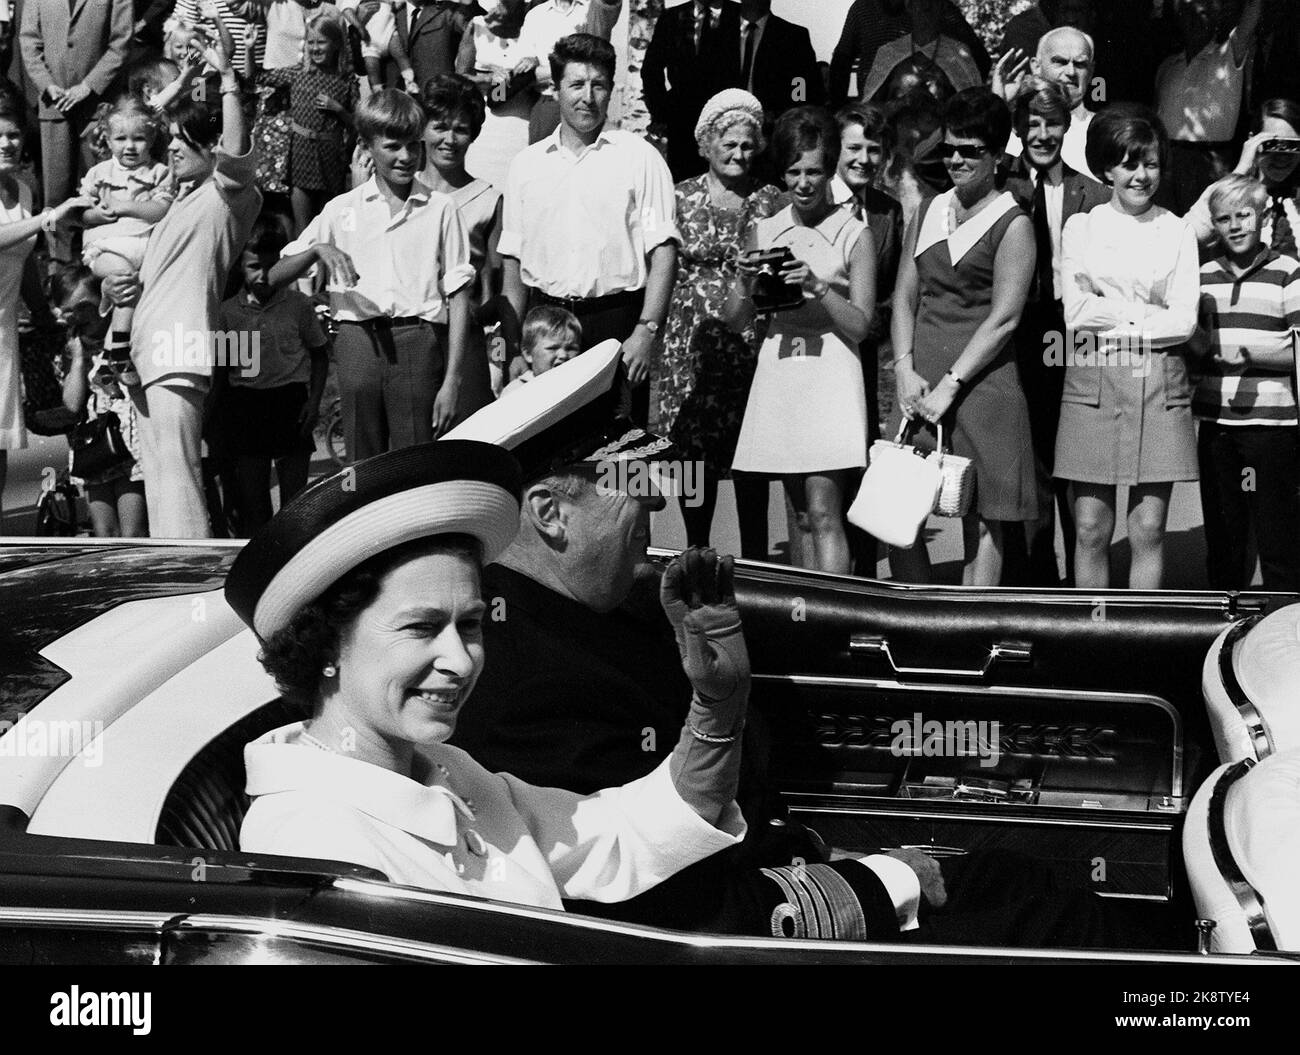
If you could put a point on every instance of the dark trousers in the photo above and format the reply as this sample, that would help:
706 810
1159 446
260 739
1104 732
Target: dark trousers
602 320
387 384
1250 481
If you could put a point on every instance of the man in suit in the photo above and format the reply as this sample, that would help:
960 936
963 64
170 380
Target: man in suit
693 54
430 31
72 50
1050 192
782 69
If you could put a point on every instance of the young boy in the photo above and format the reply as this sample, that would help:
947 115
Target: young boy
551 336
275 382
1246 396
395 253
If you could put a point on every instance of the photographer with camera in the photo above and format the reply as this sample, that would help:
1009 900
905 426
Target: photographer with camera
1272 156
813 267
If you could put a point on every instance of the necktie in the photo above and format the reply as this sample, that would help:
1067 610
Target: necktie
1045 290
747 63
704 33
1283 239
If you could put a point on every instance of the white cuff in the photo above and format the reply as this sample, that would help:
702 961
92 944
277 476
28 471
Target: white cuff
901 884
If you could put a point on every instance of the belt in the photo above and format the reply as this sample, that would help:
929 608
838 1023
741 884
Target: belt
386 322
575 304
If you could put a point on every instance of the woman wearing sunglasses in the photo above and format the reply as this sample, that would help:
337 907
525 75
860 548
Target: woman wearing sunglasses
968 259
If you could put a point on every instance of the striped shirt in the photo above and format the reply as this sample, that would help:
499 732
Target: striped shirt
203 14
1246 315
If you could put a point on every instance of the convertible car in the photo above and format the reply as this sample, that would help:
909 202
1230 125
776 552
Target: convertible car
1140 745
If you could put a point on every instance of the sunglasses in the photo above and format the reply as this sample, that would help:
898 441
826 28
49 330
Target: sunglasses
966 153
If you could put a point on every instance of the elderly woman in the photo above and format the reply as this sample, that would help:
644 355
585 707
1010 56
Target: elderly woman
806 417
705 369
968 259
367 599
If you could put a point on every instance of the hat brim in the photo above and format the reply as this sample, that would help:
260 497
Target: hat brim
338 523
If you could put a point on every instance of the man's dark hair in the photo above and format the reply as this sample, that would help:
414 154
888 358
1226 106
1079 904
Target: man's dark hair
583 48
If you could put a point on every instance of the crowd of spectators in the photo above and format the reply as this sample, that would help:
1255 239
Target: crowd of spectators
1075 257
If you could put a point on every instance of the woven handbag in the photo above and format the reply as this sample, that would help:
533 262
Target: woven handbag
958 481
898 492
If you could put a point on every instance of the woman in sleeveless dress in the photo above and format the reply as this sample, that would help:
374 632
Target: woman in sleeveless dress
806 416
968 259
490 55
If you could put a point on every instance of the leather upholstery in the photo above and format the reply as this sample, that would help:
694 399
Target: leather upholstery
1250 679
206 805
1241 846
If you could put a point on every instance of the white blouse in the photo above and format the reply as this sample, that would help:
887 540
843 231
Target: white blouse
1131 277
470 831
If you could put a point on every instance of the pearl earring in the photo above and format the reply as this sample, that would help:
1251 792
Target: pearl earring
329 670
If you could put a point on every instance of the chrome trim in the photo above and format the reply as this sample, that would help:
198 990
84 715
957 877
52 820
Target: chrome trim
1250 900
1004 652
792 800
45 542
340 938
95 919
831 681
1204 935
721 941
1255 724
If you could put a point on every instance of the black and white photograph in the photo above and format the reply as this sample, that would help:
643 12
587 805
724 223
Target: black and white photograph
651 482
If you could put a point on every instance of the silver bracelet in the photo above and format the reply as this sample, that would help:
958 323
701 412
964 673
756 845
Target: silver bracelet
706 738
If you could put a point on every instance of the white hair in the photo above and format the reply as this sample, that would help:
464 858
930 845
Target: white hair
1045 40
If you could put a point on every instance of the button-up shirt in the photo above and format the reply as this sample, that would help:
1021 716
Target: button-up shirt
470 831
407 263
548 22
581 225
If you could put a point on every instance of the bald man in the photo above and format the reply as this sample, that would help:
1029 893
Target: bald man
1066 56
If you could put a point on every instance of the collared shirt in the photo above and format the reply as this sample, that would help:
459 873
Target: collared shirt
1200 101
287 331
1054 194
548 22
581 225
469 831
756 27
1246 314
408 263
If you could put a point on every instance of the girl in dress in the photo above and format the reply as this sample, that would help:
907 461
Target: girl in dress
496 60
967 262
1130 282
322 96
806 416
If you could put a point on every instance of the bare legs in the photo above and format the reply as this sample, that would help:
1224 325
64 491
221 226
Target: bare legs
1094 516
818 501
982 555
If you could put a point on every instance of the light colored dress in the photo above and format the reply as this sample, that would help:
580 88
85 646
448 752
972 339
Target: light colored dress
505 126
807 407
13 433
1131 289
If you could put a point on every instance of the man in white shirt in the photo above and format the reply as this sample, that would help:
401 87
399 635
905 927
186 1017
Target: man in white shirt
396 254
546 23
588 220
1068 57
1198 97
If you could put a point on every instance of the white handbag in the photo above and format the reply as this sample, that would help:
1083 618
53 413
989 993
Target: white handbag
898 492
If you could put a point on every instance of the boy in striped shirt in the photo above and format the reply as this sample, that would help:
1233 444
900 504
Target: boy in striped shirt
1249 437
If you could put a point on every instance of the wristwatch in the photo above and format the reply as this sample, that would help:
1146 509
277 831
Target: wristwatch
650 325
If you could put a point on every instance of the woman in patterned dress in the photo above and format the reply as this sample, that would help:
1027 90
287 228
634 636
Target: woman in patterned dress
323 94
968 259
705 369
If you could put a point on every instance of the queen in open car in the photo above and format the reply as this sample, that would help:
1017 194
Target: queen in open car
365 593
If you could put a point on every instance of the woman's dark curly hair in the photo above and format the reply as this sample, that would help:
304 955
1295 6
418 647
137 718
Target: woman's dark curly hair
295 654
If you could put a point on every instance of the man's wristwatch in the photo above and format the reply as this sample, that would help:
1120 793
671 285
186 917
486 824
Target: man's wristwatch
650 325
